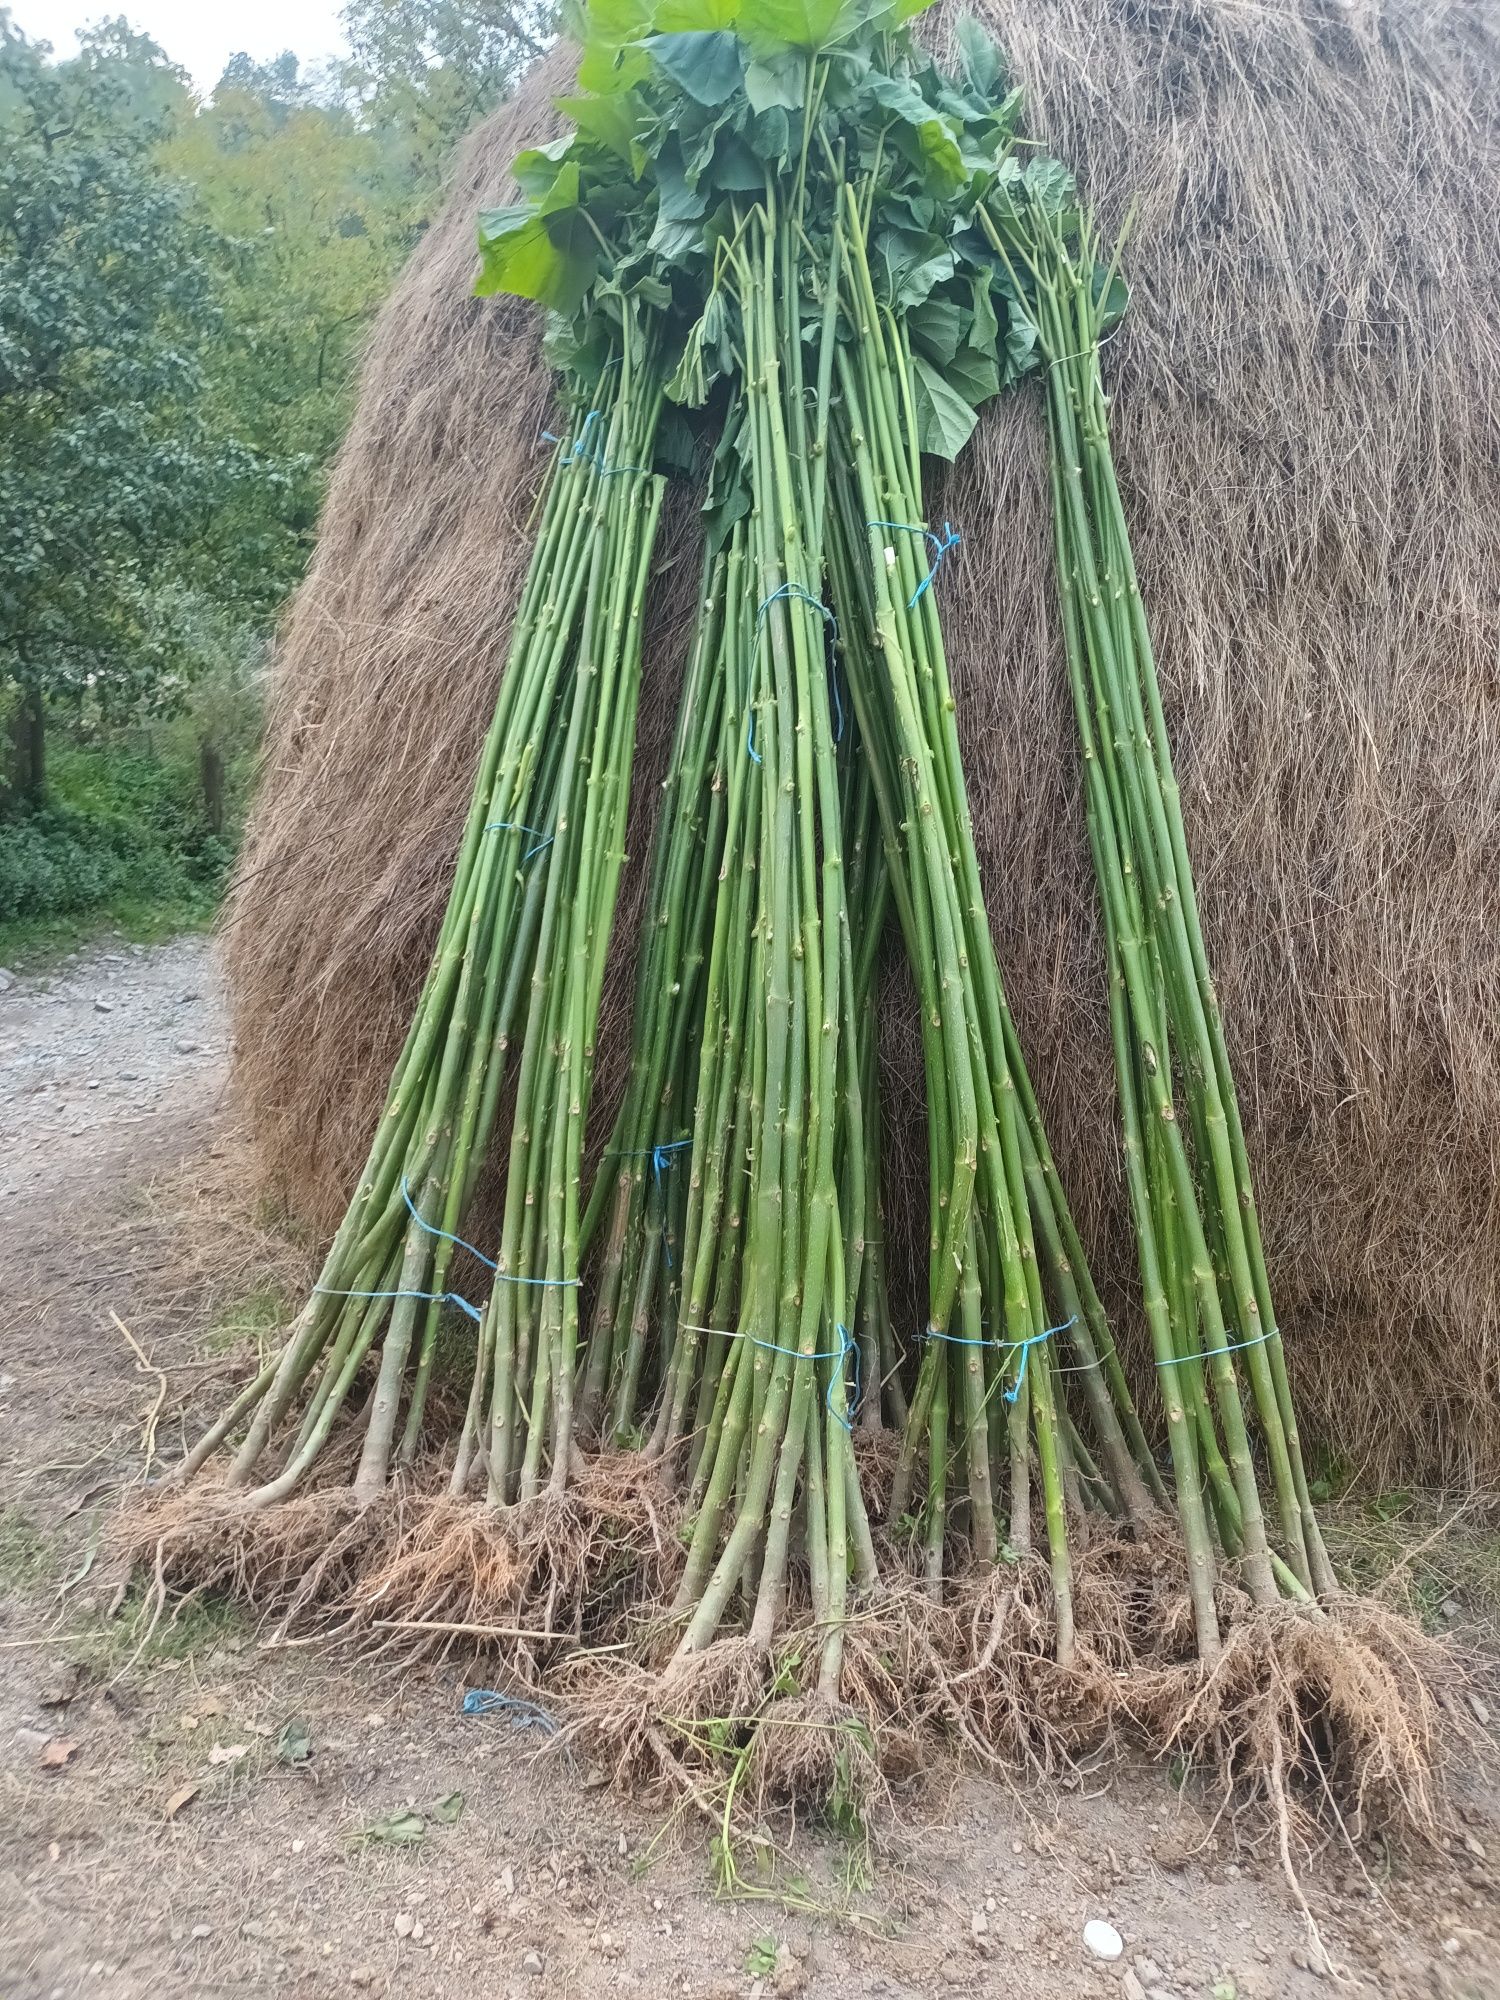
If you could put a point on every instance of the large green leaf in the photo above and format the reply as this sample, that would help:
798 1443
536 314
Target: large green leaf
678 202
939 324
609 121
901 99
552 258
941 153
945 422
538 167
800 24
976 376
1049 185
616 22
674 17
779 81
705 64
610 70
910 264
982 61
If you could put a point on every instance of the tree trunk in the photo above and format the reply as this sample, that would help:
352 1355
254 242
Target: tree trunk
211 778
28 748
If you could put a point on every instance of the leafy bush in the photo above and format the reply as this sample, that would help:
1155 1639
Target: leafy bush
119 830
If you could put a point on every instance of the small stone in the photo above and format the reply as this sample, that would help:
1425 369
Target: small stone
533 1963
186 1048
1450 1608
1304 1961
979 1924
418 1931
1017 1847
61 1686
202 1930
405 1924
1451 1946
1149 1970
1475 1847
361 1976
1102 1939
7 980
184 998
1131 1987
1481 1712
32 1740
104 1006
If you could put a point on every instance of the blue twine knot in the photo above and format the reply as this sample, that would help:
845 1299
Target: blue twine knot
941 544
590 454
1004 1346
795 593
524 1714
515 826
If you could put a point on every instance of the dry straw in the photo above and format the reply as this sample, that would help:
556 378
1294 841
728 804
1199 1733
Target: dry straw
1307 427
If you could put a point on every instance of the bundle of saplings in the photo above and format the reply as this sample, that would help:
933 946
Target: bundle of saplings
670 1434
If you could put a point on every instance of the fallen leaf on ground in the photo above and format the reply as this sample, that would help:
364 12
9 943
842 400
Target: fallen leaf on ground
448 1807
57 1751
294 1744
401 1829
228 1753
179 1798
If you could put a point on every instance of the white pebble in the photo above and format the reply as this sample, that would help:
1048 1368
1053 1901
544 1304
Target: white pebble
1102 1939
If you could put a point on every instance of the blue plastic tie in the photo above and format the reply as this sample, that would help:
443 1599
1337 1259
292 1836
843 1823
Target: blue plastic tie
1234 1347
795 592
524 1714
515 826
845 1346
504 1277
1006 1346
432 1229
660 1158
941 544
593 456
433 1298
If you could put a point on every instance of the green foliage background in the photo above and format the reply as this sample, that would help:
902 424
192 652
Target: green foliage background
185 286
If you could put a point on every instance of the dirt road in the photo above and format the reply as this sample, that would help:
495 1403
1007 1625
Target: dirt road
201 1811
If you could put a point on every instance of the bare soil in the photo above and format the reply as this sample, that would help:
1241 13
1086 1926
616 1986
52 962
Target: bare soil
160 1836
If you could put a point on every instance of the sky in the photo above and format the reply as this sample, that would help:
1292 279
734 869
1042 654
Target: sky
199 34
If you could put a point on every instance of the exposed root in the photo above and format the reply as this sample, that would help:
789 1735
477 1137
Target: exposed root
424 1574
806 1750
1341 1718
1335 1716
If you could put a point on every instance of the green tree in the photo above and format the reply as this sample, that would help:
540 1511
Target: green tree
309 234
426 71
113 461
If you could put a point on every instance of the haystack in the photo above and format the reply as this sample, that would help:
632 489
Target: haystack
1305 424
